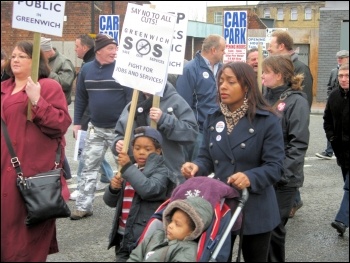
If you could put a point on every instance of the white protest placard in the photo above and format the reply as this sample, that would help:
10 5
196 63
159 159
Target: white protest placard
79 144
178 48
254 42
235 34
109 25
39 16
269 31
144 49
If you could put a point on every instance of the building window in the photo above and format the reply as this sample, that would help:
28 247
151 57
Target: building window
308 13
293 14
218 18
280 15
267 13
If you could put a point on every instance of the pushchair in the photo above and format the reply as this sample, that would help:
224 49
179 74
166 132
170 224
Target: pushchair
214 245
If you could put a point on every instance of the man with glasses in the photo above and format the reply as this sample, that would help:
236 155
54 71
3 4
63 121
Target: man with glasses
336 126
333 83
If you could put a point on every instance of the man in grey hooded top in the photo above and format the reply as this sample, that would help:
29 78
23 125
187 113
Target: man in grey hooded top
175 122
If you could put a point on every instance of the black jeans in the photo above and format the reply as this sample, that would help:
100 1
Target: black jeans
285 198
255 248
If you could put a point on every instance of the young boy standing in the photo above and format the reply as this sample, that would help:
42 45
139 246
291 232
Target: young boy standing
142 188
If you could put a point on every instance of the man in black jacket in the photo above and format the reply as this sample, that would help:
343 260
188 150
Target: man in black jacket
84 47
333 83
336 126
281 43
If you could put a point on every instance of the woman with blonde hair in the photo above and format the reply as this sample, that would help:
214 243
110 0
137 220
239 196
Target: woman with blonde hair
35 143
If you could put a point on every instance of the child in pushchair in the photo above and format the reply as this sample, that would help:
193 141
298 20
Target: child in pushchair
205 202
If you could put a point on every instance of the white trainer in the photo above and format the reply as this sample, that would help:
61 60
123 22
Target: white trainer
101 186
74 195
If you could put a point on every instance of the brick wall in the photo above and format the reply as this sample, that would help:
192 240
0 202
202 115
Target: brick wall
329 45
79 21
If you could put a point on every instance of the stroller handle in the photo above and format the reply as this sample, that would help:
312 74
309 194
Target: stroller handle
242 201
244 198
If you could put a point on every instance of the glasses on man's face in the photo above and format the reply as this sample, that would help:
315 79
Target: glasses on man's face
21 57
342 76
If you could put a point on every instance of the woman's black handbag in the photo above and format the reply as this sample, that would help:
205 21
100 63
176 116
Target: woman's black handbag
42 192
42 196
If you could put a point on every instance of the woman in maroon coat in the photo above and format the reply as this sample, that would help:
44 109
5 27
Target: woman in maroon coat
35 143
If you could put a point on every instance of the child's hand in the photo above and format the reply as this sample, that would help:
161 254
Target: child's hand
189 169
123 158
116 182
119 146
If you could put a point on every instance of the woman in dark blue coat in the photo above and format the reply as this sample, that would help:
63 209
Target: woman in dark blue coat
243 146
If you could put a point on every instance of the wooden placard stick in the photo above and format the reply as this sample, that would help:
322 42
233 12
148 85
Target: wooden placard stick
35 68
155 103
129 124
156 99
260 60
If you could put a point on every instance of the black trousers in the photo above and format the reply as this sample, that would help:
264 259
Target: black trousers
285 198
255 248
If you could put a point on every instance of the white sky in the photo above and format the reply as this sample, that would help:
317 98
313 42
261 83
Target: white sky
196 9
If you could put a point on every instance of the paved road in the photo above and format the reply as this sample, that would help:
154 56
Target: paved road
310 238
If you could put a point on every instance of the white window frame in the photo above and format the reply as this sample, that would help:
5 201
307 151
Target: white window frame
267 13
280 14
218 18
293 13
308 13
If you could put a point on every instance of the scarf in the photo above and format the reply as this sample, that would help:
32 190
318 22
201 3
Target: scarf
232 118
142 110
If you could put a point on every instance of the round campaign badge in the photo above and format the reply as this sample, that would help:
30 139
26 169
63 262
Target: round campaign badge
220 126
218 138
205 75
281 106
139 109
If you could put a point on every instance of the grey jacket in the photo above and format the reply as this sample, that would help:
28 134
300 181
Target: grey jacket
157 248
177 129
333 82
295 120
152 187
63 71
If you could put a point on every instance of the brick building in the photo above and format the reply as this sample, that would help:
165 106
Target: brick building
333 36
300 17
319 29
82 17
